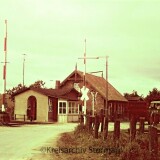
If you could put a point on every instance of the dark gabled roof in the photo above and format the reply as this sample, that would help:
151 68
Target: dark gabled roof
57 93
99 83
137 98
49 92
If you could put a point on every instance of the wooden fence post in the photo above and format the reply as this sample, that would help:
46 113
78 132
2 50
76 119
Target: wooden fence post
153 142
102 119
116 129
87 120
89 123
105 127
96 128
81 118
141 125
132 128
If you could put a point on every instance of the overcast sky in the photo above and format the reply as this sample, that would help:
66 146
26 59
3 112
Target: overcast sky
52 33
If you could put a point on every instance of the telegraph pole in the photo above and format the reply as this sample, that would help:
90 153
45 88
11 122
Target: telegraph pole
105 129
5 60
106 108
5 67
23 66
106 87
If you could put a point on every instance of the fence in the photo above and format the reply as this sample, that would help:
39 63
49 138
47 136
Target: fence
20 116
94 122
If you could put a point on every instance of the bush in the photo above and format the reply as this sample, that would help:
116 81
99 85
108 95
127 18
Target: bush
138 149
69 140
80 129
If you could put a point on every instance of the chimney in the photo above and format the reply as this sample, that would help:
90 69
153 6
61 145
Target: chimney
57 84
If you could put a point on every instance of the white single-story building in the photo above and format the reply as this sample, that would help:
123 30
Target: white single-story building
47 105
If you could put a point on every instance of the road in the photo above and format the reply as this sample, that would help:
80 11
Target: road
21 143
25 142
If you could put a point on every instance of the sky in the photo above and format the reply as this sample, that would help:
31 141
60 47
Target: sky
52 34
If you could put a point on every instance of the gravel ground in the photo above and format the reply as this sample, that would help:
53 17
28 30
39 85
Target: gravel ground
30 142
22 143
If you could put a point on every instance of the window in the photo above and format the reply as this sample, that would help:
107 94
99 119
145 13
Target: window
50 106
49 102
62 107
50 109
76 86
72 108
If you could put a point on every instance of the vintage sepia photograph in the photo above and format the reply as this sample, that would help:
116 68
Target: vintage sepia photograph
79 80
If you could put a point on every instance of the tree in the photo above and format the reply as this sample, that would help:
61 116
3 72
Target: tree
37 84
153 95
133 94
20 88
15 90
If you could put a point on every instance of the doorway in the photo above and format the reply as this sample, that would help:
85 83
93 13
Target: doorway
32 108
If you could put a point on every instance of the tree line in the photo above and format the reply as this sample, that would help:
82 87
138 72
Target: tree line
20 88
153 95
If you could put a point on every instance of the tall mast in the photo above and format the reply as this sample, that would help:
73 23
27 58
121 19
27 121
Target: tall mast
23 67
5 60
5 67
85 88
85 64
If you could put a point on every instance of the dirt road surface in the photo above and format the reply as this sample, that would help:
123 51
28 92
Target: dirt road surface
22 143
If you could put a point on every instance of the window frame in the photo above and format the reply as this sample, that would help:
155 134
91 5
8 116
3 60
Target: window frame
62 109
73 107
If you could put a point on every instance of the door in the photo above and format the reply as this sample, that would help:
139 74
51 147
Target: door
52 109
32 108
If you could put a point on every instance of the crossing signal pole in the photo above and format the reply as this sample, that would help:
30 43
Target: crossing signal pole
106 101
5 68
84 89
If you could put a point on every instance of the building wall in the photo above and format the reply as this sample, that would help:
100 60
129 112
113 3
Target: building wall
99 103
21 105
114 107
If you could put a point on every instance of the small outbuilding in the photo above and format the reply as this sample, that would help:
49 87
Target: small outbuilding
47 105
